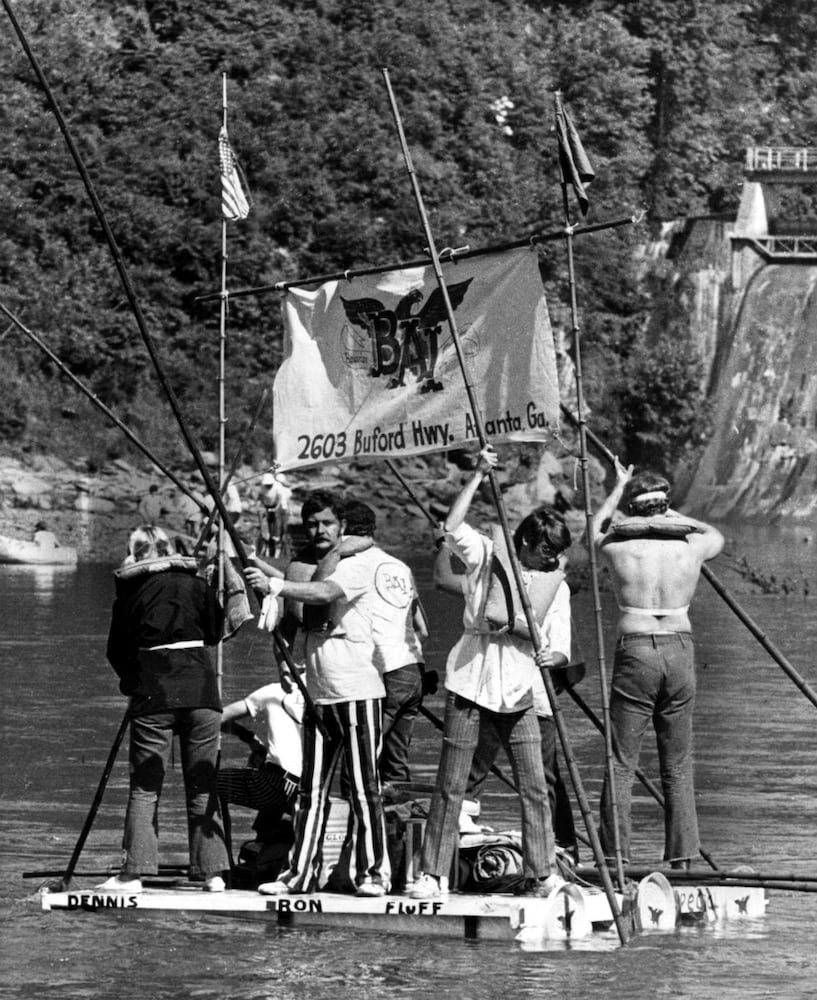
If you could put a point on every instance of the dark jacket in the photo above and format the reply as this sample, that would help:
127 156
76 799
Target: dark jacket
160 602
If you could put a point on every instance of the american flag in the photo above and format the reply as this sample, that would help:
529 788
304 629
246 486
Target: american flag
234 204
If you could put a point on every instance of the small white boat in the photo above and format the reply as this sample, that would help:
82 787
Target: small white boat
16 551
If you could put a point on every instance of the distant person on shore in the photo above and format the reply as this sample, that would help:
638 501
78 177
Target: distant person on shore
655 556
43 538
150 506
163 617
233 502
190 510
273 514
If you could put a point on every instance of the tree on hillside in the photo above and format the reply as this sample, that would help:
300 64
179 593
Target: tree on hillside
664 95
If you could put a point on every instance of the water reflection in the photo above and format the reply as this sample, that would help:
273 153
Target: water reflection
43 580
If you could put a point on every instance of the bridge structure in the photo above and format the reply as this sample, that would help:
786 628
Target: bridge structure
762 233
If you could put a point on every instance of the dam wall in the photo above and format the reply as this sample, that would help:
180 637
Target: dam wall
745 302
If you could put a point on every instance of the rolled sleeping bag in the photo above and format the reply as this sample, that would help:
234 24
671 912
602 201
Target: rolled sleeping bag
299 572
316 616
657 526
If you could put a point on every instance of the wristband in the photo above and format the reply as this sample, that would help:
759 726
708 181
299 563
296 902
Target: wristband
275 585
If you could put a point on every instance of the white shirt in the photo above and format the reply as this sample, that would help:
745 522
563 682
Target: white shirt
340 664
278 716
494 670
555 635
396 642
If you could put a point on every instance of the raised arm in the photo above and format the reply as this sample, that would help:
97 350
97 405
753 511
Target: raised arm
488 459
708 541
605 513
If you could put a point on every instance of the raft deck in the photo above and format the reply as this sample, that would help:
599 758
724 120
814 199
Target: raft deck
572 913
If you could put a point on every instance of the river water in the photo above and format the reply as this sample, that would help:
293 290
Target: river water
757 793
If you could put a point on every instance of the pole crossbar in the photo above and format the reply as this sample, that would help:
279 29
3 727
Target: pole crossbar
451 256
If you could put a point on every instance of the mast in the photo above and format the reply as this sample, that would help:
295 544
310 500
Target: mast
222 417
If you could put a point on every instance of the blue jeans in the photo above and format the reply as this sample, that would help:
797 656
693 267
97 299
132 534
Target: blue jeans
404 695
469 732
653 682
558 800
151 739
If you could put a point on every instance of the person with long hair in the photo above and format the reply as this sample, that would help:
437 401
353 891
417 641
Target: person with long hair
164 617
490 678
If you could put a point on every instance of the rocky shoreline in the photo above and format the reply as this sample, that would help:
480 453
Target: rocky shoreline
94 511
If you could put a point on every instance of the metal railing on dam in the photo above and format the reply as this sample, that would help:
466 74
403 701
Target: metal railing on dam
788 159
786 247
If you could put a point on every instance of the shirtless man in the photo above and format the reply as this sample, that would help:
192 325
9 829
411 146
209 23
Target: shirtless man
655 556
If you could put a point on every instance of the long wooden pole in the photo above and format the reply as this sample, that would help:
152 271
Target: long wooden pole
588 512
465 254
68 874
212 487
780 659
236 461
222 414
502 516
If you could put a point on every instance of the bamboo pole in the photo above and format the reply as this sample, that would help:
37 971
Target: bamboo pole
240 451
451 255
68 874
737 879
222 415
501 514
588 511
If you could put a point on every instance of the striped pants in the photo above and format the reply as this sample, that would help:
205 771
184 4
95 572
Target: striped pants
469 732
355 731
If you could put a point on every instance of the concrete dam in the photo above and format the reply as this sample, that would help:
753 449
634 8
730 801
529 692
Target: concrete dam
750 298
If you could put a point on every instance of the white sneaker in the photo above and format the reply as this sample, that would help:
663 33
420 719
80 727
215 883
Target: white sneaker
278 888
368 887
116 883
429 887
214 884
467 824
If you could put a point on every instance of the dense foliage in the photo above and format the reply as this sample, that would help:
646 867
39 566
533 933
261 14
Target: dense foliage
666 95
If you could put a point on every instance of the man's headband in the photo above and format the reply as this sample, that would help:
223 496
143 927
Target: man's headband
650 495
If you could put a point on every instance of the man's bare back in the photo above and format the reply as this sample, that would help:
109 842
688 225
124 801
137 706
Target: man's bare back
654 577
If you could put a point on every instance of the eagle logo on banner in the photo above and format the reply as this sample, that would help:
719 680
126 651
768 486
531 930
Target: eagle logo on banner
401 339
371 369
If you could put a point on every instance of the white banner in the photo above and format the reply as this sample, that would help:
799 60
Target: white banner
370 368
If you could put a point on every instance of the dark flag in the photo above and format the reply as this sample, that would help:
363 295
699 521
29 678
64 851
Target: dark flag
574 165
